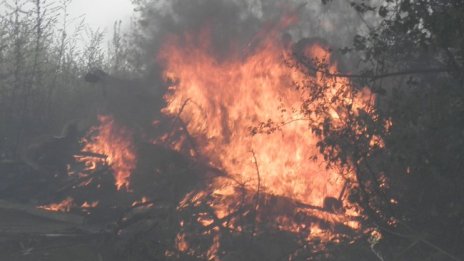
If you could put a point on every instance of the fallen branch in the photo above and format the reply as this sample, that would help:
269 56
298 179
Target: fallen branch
34 211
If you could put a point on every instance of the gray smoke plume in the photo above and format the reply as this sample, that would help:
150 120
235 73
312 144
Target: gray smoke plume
233 25
237 21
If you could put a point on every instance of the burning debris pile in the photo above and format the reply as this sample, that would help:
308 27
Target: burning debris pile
116 144
240 113
234 172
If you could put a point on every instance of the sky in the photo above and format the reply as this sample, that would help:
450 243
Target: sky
101 13
98 14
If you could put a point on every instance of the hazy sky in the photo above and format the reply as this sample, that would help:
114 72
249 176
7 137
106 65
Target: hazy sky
98 13
101 13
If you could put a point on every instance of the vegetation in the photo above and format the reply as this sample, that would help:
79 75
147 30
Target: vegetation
413 60
44 53
406 150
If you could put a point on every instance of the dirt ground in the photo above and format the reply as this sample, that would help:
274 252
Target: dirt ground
27 237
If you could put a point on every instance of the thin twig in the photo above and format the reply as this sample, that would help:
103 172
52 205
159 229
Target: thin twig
390 74
378 76
177 117
255 161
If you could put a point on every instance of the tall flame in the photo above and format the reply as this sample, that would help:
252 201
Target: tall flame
220 100
115 142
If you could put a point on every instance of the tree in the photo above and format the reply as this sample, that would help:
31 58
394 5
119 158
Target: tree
411 188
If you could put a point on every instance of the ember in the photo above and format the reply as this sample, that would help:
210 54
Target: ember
89 205
145 202
63 206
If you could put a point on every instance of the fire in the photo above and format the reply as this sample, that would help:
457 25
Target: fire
181 243
63 206
87 205
143 202
115 142
221 101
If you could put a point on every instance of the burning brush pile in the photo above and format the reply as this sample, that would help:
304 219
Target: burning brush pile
234 171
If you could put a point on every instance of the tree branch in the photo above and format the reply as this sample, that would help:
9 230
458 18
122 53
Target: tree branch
386 75
309 65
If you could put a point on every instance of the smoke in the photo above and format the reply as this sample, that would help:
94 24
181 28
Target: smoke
235 27
233 24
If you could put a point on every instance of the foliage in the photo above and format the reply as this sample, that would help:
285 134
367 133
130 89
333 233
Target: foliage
43 55
412 188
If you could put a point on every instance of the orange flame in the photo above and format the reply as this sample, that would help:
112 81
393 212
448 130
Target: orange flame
89 205
181 244
220 100
144 202
116 143
63 206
